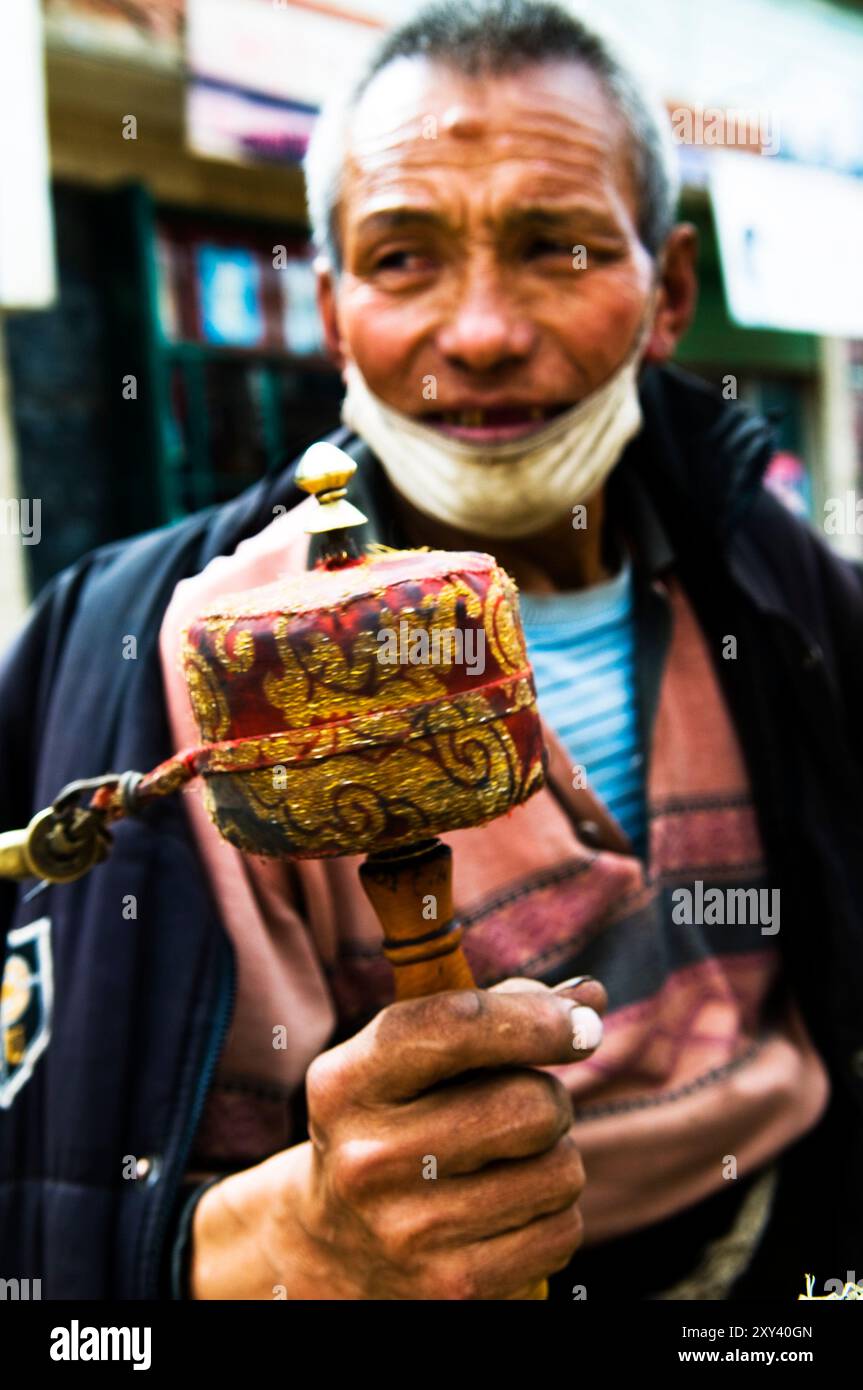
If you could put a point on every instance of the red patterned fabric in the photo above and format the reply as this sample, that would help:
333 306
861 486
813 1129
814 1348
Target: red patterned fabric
363 707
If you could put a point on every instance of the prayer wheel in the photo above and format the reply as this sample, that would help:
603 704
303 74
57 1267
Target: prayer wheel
366 706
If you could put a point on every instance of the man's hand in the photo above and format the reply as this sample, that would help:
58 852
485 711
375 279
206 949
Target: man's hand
440 1164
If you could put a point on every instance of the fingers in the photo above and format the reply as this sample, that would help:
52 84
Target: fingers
586 991
462 1128
411 1046
581 989
443 1143
502 1265
505 1196
519 984
460 1212
480 1223
589 996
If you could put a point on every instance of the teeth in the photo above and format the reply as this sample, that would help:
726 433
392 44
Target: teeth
476 416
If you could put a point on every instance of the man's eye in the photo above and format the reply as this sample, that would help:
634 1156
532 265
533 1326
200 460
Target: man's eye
577 255
402 260
542 247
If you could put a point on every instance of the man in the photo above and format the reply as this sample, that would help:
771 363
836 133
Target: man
499 264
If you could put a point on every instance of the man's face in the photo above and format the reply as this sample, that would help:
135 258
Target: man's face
490 250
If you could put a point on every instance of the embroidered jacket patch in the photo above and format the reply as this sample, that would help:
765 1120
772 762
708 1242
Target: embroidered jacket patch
26 1006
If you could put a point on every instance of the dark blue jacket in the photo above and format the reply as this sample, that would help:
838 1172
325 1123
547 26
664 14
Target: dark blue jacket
141 1004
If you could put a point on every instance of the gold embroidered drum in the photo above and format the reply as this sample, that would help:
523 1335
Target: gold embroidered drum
371 702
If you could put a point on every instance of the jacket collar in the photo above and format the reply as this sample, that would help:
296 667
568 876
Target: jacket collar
701 458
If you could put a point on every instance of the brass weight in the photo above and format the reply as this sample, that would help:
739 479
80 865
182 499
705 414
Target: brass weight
58 848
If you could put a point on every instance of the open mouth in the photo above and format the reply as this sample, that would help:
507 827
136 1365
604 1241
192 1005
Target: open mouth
490 424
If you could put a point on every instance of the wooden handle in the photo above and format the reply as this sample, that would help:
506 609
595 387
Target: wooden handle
411 892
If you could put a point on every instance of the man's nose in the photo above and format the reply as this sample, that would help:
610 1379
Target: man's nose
486 328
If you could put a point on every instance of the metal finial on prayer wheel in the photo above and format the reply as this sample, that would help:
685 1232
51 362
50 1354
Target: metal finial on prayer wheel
324 471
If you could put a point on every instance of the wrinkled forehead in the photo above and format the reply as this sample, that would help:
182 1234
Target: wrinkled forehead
424 127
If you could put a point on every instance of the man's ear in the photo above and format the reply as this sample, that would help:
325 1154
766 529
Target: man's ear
325 290
677 292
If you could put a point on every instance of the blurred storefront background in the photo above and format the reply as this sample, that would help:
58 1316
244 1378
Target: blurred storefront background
159 341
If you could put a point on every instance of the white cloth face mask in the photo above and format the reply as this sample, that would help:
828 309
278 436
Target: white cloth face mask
508 490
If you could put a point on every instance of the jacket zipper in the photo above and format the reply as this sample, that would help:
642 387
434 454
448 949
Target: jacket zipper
224 1005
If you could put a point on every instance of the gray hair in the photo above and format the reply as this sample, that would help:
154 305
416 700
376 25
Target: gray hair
478 37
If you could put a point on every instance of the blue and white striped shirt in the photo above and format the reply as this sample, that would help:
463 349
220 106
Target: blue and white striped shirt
582 648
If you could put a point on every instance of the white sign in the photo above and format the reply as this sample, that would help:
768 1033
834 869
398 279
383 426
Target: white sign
790 241
26 230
